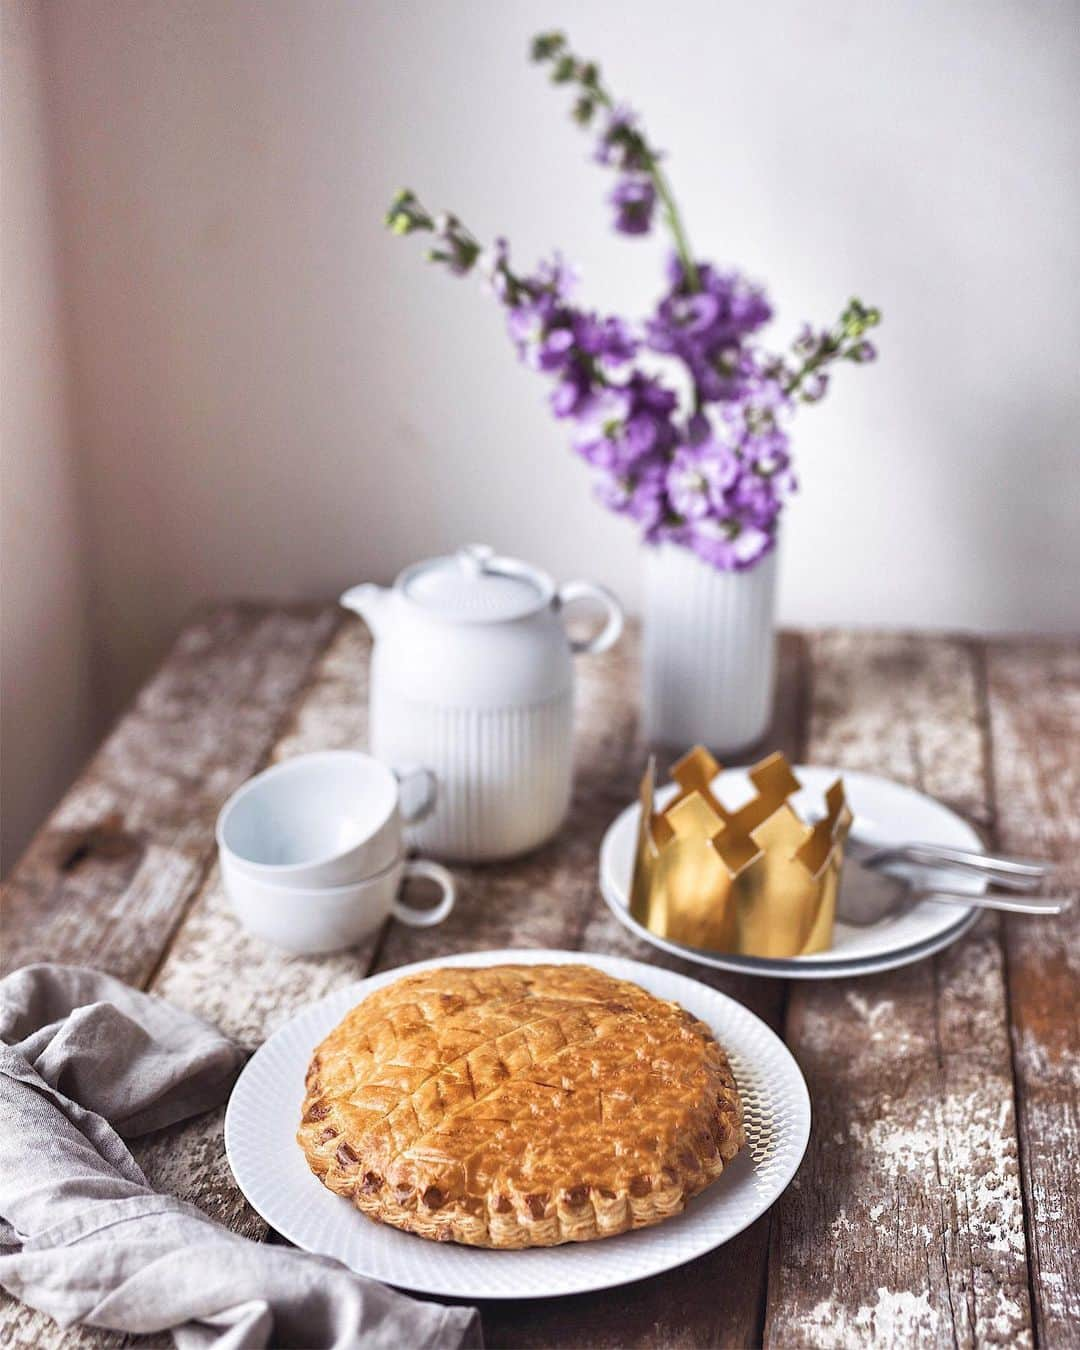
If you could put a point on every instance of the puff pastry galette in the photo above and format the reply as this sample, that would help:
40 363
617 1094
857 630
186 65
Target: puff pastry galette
519 1106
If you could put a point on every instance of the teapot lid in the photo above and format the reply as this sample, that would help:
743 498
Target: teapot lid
473 585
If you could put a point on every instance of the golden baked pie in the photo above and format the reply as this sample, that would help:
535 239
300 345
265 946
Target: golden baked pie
519 1106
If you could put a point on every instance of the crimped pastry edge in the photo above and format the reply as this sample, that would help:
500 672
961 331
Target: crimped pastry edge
594 1216
579 1214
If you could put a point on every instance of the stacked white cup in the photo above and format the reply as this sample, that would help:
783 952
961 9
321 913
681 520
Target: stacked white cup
312 851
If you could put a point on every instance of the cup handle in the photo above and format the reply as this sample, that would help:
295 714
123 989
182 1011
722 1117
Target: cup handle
431 788
426 918
609 634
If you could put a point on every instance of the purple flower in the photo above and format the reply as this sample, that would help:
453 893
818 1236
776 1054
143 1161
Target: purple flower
815 386
558 277
638 494
634 199
616 445
492 264
698 478
620 425
609 339
754 501
555 350
570 396
620 143
525 324
808 343
750 544
707 329
729 545
767 453
714 477
650 394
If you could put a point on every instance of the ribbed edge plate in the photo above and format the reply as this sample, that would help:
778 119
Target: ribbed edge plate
264 1111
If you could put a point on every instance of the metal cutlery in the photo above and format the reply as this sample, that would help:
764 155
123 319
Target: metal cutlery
1012 873
869 894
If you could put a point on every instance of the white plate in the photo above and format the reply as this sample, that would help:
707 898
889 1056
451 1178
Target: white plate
264 1111
887 812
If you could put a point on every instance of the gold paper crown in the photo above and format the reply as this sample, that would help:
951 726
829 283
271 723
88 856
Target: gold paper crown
757 881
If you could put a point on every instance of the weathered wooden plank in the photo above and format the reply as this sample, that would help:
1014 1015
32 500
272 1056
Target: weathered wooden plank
106 880
905 1224
24 1328
213 967
906 1220
241 984
1033 692
547 899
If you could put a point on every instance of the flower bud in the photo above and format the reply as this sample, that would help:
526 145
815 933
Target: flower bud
815 387
583 110
545 45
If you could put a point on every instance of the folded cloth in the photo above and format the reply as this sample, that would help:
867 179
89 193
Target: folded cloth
85 1061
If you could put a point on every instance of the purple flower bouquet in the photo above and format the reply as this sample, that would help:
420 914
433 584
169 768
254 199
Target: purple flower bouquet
711 475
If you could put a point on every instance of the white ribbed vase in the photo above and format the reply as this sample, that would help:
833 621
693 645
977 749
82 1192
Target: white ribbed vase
709 651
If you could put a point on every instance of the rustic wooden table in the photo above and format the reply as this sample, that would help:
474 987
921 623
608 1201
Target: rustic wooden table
938 1202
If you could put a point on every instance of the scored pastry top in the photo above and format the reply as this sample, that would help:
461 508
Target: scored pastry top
519 1105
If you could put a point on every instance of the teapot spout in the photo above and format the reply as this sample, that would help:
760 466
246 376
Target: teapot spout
371 602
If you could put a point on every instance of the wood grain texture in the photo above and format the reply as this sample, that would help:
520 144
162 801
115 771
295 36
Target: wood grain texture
105 882
1033 693
238 982
905 1223
547 899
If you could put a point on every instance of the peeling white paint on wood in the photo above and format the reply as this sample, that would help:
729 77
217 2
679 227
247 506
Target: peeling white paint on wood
913 1158
1034 721
202 724
905 1227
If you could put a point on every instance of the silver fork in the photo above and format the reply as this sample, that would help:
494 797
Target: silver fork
1014 874
868 895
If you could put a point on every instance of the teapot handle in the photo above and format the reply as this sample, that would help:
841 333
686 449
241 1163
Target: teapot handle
609 634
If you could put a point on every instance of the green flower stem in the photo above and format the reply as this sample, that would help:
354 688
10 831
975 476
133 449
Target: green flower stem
596 91
811 364
671 215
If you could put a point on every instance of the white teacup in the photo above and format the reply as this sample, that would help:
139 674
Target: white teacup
325 819
331 918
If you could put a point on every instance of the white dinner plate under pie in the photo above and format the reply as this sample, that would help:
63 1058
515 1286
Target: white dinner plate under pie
271 1170
888 812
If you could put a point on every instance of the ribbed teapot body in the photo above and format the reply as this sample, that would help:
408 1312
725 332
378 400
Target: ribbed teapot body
489 709
472 678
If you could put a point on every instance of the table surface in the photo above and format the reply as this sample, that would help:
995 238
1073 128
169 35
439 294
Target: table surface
937 1204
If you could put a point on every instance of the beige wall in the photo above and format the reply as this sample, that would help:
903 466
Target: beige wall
278 398
273 397
46 720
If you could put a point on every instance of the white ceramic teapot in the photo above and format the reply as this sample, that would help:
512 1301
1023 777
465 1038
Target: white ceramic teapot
472 677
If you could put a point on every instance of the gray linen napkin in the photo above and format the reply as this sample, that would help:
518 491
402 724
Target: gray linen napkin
85 1060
